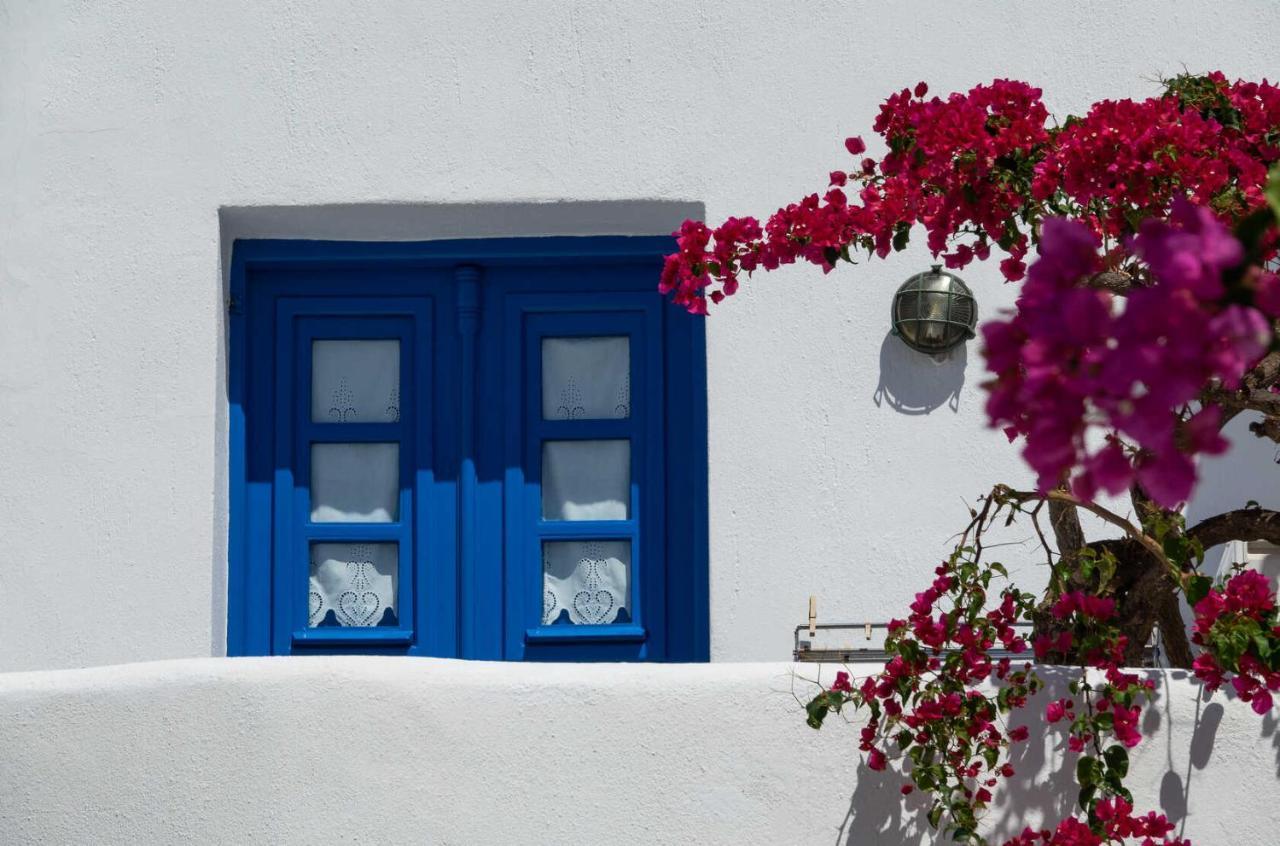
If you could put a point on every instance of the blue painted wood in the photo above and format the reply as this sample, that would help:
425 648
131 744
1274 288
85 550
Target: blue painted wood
616 633
240 587
475 602
468 310
530 318
300 322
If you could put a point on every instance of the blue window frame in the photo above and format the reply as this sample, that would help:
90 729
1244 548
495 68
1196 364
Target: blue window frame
512 522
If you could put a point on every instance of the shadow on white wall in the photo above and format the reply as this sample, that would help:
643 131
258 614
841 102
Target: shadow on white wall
912 382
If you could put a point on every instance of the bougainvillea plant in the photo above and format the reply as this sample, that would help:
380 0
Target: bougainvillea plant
1144 237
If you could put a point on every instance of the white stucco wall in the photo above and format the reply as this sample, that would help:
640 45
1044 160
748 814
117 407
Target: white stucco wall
125 127
403 750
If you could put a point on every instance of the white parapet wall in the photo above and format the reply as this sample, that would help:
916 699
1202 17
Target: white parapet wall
399 750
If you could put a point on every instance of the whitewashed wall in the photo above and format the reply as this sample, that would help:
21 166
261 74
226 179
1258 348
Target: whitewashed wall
378 750
138 138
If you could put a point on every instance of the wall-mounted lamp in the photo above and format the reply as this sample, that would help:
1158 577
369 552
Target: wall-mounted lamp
934 311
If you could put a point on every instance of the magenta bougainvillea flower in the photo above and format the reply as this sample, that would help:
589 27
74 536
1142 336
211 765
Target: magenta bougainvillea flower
1072 361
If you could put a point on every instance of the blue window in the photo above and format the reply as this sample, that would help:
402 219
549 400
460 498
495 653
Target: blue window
480 449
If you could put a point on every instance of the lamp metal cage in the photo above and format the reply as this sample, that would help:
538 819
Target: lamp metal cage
934 311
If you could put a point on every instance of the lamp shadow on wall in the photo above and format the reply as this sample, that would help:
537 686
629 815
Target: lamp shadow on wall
915 383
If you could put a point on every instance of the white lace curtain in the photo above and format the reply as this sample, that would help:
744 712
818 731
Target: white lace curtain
352 584
355 381
586 480
355 483
586 582
586 378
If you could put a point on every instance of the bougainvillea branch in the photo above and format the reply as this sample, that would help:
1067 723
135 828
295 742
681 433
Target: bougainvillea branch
1144 234
944 708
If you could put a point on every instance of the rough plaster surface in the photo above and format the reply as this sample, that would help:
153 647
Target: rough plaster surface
126 127
396 750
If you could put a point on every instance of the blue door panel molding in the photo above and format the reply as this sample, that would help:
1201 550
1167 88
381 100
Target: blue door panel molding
470 315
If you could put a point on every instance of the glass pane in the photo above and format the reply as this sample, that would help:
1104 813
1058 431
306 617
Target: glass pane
355 381
353 584
586 378
355 483
586 582
586 480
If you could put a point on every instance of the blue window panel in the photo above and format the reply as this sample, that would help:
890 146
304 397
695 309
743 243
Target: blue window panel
530 320
300 324
470 479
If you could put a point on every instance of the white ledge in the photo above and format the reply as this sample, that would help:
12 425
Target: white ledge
400 750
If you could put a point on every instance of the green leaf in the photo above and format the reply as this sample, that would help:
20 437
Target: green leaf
1106 570
1262 644
1087 771
935 814
1085 797
817 710
1198 588
1273 191
1117 758
901 237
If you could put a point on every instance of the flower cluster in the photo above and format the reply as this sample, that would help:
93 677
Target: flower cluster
1071 360
1112 698
1144 185
931 705
1238 627
1128 160
942 702
1117 824
984 168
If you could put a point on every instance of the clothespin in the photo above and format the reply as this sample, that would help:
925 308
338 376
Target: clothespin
813 617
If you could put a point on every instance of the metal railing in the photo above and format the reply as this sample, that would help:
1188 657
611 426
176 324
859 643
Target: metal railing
846 650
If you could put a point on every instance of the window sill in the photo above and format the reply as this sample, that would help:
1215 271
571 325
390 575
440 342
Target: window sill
353 636
586 634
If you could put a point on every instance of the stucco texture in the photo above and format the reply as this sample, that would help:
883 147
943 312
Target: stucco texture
404 750
138 138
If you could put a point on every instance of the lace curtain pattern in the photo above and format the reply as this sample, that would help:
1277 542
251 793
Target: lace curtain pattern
586 582
355 381
586 378
352 584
